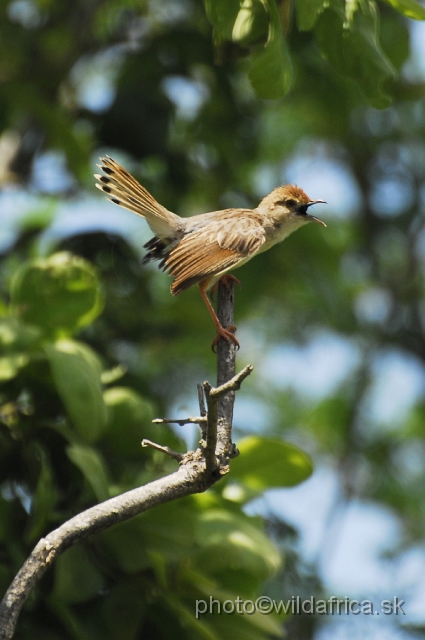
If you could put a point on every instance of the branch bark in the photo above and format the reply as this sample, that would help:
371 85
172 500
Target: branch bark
198 471
226 369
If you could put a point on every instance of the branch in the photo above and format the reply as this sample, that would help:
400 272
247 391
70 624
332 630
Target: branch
213 397
226 369
198 471
175 455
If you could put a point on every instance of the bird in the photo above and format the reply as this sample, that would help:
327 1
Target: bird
202 248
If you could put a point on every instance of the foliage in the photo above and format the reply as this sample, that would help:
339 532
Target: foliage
67 443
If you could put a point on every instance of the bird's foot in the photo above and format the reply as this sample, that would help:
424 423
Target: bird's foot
228 334
225 280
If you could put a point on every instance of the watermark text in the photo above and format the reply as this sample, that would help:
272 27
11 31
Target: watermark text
298 606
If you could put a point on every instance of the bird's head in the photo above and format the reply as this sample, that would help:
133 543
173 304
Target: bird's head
289 205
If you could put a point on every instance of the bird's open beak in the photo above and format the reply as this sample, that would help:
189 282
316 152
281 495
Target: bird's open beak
313 218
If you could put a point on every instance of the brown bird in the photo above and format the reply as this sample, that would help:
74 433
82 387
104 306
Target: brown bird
201 249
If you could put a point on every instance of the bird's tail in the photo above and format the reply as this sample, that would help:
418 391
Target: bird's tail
124 190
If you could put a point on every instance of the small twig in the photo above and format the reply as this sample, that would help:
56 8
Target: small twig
180 421
232 385
173 454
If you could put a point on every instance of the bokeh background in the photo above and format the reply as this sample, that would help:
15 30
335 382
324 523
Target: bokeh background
333 319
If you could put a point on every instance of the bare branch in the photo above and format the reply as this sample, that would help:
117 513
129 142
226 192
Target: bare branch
180 421
169 452
234 384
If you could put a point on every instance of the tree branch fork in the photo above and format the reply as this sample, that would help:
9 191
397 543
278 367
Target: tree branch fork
198 470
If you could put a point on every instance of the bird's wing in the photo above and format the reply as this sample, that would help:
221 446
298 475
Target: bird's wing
232 237
125 191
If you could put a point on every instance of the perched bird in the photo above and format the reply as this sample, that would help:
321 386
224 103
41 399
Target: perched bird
201 249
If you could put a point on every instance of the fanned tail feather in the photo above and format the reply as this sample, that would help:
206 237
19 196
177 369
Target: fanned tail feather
125 191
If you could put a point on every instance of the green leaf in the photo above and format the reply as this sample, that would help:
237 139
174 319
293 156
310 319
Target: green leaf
251 23
408 8
246 627
129 421
93 468
16 336
231 541
44 497
395 41
125 596
270 68
60 293
76 374
200 628
76 578
264 463
10 365
16 339
350 44
167 530
308 11
222 15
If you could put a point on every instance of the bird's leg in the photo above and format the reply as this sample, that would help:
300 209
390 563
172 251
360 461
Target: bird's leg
225 280
227 334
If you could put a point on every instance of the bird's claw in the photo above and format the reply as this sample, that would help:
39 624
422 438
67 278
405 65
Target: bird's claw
228 335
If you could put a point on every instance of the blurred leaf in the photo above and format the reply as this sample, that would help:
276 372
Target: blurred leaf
93 468
201 628
7 511
222 15
350 44
76 374
123 610
60 293
112 375
408 8
329 420
307 12
44 497
17 336
265 463
270 68
247 627
395 40
251 23
229 540
76 578
10 365
129 421
167 530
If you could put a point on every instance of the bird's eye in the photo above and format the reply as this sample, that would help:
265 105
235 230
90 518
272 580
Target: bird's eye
288 202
